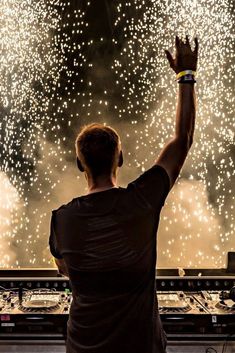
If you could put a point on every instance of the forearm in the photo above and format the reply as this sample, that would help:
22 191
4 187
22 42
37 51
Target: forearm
175 152
186 112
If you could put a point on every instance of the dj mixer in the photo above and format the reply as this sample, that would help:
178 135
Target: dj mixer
189 306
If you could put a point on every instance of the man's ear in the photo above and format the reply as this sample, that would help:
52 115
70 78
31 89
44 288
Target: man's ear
79 165
120 160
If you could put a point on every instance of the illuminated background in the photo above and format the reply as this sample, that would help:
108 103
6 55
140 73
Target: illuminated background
64 64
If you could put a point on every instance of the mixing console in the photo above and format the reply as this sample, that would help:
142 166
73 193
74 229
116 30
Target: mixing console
34 302
41 306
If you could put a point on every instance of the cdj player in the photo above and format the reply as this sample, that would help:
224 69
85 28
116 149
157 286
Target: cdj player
189 306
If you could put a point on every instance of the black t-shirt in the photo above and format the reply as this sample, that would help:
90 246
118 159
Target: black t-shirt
108 242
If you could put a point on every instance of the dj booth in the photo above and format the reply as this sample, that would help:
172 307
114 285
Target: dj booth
197 310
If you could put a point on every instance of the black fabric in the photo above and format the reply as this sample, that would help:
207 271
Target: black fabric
52 240
108 241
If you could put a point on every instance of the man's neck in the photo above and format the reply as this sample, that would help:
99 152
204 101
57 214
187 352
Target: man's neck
101 183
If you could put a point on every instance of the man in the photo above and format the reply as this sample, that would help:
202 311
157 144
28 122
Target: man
105 241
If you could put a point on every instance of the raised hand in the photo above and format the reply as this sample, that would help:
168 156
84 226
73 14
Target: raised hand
185 58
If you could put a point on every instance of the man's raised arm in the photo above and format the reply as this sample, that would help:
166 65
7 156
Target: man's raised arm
173 155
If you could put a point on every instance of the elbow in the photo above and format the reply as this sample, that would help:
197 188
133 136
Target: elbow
185 141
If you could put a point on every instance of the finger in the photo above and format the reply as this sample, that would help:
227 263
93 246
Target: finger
169 58
177 42
187 40
196 45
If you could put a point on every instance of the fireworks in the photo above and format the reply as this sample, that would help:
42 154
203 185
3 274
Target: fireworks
55 76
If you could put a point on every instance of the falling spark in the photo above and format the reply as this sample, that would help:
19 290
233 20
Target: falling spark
37 88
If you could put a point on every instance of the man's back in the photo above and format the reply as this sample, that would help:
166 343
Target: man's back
108 242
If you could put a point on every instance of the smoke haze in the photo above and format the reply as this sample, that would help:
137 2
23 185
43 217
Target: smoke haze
79 63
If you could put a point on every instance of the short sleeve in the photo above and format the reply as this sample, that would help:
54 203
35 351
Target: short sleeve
52 239
153 186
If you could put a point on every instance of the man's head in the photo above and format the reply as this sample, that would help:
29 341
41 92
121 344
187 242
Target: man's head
98 149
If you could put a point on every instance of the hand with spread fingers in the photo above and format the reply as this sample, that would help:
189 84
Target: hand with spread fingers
185 58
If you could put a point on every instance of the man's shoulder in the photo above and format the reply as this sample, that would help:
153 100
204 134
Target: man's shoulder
68 206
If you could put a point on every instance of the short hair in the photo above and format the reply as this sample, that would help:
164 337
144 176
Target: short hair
97 147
